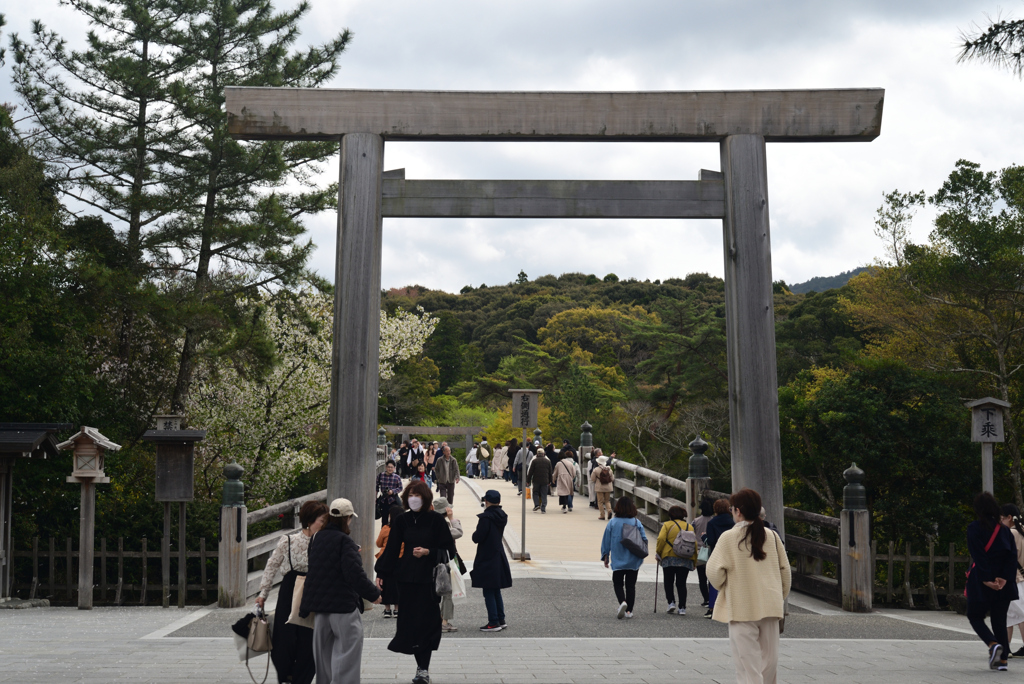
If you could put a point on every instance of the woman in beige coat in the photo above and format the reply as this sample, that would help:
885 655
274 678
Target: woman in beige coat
603 490
564 479
751 571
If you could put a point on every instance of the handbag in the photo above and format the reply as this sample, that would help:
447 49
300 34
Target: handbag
442 576
293 616
704 555
255 630
633 540
458 583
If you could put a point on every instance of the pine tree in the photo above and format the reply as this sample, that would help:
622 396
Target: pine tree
240 231
106 124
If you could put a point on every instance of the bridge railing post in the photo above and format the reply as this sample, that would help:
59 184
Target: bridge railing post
856 569
232 557
698 479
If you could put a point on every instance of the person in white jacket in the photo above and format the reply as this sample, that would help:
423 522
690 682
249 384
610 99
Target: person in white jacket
750 569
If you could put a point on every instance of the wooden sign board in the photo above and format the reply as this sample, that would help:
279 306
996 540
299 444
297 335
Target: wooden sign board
525 408
987 424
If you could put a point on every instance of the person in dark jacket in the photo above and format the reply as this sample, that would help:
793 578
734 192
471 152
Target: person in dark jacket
538 476
427 537
335 588
992 581
491 571
722 522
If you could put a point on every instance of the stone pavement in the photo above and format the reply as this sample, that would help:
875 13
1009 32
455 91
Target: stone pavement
64 645
562 629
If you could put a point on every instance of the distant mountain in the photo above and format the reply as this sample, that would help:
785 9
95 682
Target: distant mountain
822 283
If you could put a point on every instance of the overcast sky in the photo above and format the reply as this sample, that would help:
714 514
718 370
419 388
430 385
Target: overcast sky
822 197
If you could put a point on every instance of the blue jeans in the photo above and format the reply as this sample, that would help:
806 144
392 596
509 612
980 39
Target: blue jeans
495 606
712 596
483 469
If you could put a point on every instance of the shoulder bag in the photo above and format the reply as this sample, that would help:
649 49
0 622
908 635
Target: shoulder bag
633 540
300 584
442 575
779 552
991 541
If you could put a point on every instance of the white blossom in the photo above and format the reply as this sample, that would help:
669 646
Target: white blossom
268 424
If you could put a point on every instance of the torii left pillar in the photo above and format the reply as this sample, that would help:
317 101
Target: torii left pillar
351 463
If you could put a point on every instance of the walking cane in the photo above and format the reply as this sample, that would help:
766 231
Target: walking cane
656 564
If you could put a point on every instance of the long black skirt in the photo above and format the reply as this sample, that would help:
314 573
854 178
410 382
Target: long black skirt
419 619
293 645
389 594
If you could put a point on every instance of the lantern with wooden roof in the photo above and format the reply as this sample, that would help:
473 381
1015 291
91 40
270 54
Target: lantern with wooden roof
89 447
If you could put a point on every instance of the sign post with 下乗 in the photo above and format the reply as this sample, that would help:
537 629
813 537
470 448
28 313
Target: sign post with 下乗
987 428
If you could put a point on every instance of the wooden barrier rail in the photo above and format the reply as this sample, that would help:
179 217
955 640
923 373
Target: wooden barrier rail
892 561
113 589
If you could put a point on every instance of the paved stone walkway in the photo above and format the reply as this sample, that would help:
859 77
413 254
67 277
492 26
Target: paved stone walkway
562 629
64 645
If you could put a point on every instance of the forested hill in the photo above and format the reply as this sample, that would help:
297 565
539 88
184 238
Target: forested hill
603 341
822 283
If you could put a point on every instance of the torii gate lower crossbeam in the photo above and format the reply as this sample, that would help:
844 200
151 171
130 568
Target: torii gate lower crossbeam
740 121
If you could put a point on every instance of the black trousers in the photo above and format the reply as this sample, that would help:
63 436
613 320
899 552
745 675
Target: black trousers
624 583
676 576
996 607
702 580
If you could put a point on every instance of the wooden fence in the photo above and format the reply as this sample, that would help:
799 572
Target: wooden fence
903 588
55 576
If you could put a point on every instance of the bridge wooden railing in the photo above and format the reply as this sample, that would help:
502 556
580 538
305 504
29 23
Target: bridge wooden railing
818 568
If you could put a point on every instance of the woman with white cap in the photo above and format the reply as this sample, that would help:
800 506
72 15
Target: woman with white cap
426 533
602 479
336 586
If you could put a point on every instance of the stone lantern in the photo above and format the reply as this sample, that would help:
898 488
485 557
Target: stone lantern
175 466
89 447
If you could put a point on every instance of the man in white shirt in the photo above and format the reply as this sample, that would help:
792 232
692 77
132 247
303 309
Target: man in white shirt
472 462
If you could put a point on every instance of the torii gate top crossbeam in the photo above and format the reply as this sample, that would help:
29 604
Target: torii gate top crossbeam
668 116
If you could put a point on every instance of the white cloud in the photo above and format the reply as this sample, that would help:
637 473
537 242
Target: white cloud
822 196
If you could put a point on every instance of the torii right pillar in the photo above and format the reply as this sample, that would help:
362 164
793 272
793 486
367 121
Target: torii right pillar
750 324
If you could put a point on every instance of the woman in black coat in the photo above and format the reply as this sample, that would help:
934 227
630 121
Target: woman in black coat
491 571
991 583
424 533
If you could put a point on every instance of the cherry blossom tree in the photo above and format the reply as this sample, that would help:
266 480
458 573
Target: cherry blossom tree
268 422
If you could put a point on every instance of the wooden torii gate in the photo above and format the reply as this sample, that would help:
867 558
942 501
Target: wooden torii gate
741 122
407 431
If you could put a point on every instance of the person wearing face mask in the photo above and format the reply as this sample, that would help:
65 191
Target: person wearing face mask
426 536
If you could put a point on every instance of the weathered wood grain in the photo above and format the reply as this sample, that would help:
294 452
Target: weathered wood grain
351 465
857 568
750 325
553 199
777 115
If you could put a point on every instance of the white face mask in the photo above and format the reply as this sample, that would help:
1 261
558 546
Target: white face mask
415 503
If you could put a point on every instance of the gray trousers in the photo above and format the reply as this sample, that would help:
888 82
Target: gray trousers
540 497
338 647
447 607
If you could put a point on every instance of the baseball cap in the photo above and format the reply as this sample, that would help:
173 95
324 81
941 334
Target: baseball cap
342 507
493 496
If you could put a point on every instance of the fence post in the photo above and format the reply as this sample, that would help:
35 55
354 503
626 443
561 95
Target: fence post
856 571
698 479
232 565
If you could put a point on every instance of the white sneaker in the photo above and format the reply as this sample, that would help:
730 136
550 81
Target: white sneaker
681 611
671 609
622 611
629 615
